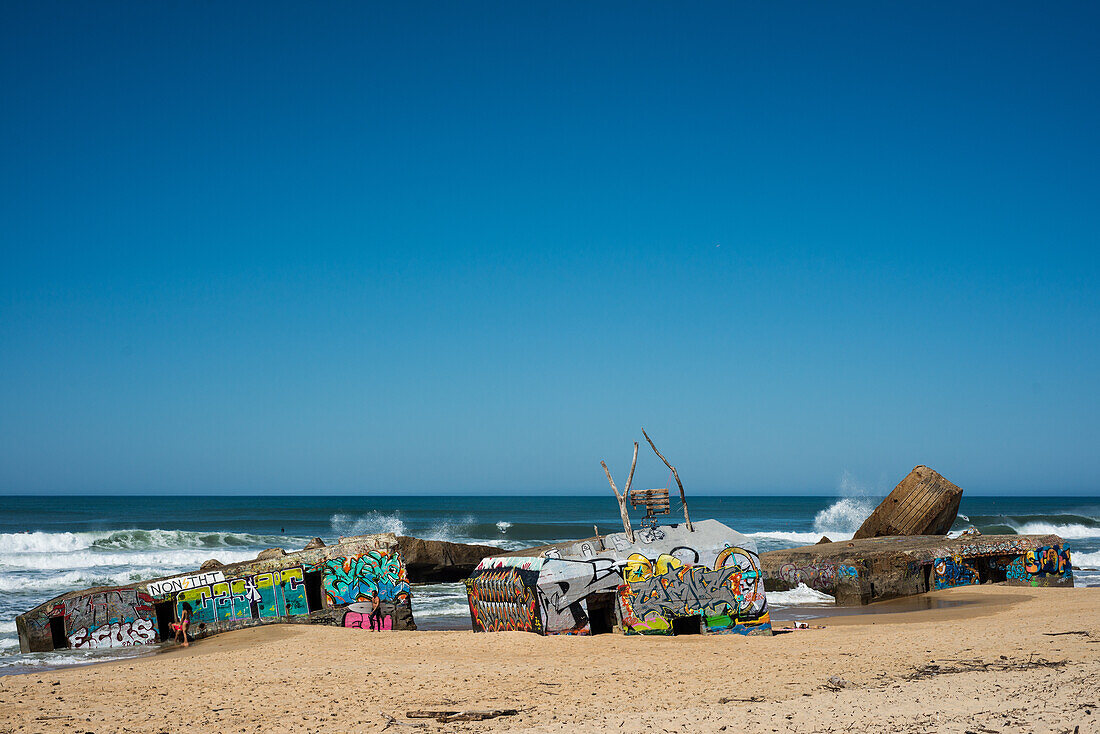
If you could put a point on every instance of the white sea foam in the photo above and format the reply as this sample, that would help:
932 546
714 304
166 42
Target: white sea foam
70 580
40 542
71 657
503 526
1085 560
794 537
135 539
169 560
1068 531
843 517
799 595
368 524
7 628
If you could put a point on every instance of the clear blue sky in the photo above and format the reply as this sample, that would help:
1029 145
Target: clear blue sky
295 247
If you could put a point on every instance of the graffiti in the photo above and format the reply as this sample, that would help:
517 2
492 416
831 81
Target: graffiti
686 591
563 585
953 571
527 563
639 568
821 576
1014 570
354 578
113 618
262 596
171 586
650 535
1046 561
996 547
504 600
358 617
118 634
752 578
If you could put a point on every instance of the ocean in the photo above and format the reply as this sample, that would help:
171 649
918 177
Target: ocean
51 545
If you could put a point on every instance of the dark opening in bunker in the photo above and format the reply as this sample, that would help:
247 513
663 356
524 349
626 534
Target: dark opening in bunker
313 591
601 613
992 570
692 625
57 632
166 614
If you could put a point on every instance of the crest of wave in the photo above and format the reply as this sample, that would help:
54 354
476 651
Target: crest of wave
1085 560
842 519
368 524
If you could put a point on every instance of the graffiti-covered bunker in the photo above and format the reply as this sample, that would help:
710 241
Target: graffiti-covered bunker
671 579
319 585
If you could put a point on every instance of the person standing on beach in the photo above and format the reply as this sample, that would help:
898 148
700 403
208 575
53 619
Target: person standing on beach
181 626
375 611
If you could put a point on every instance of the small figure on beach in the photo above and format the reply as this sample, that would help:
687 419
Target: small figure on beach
183 624
375 611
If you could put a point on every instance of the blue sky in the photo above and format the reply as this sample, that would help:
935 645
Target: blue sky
285 247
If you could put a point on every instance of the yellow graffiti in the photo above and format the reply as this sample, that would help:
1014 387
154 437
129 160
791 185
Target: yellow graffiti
640 568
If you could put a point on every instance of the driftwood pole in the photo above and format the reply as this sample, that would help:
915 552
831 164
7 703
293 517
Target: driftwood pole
683 499
626 493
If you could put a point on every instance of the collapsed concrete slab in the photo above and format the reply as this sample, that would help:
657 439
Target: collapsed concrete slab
924 503
670 580
439 561
875 569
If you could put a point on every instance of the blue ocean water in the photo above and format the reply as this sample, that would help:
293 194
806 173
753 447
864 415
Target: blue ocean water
50 545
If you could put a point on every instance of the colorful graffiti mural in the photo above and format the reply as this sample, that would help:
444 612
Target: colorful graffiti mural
113 618
504 600
349 579
260 596
816 575
952 571
729 598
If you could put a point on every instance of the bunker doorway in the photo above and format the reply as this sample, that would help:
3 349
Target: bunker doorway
601 613
166 615
57 632
692 625
314 598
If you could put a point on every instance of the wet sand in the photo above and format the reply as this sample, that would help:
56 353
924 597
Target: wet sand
999 667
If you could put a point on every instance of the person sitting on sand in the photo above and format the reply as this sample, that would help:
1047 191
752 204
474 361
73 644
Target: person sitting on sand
375 611
181 626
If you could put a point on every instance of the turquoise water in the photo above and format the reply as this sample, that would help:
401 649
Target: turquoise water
50 545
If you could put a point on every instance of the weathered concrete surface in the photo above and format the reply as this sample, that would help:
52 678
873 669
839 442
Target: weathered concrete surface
924 503
439 561
874 569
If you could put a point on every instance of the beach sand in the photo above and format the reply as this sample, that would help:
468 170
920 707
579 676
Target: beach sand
992 649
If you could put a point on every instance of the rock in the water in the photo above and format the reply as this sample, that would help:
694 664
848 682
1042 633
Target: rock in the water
270 553
211 564
924 503
315 543
824 539
437 561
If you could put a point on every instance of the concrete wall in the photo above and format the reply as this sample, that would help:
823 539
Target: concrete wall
310 586
873 569
713 574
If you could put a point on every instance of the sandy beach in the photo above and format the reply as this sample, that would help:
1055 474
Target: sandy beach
1002 666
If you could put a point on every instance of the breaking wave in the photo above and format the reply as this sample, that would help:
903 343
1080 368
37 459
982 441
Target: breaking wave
838 521
799 595
843 518
166 559
1069 531
503 526
1090 561
368 524
135 539
60 582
